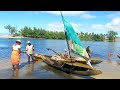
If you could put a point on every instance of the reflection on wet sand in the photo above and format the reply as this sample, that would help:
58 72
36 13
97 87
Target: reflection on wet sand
15 74
25 70
30 69
111 62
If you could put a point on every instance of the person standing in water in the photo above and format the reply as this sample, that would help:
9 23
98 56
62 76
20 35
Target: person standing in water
89 51
15 56
66 54
29 50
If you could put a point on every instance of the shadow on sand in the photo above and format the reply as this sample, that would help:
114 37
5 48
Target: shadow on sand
24 64
64 74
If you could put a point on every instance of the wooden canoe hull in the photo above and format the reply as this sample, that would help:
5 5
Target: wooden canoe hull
83 73
65 67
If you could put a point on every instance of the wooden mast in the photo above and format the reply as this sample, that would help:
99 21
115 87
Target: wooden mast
66 35
66 40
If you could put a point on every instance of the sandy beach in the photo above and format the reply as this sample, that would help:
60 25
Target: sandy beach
40 70
9 36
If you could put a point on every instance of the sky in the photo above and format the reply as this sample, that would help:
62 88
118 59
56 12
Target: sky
82 21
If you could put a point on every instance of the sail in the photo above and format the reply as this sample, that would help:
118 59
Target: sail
74 41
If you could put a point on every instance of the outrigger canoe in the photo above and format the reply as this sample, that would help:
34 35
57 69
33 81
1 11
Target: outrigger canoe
68 67
38 56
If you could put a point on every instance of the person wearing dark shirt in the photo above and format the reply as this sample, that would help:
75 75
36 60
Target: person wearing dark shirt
89 51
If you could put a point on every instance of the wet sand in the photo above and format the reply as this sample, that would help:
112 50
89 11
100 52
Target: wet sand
40 70
109 70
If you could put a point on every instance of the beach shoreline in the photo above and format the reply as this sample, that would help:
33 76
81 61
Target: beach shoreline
9 36
40 70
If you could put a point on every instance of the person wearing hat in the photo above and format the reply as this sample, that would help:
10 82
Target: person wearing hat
15 56
29 50
66 54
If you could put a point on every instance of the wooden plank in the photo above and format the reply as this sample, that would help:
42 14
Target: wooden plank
79 64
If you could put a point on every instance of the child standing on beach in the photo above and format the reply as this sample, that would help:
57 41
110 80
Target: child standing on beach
15 56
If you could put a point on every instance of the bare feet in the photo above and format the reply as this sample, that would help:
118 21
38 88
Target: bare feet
17 69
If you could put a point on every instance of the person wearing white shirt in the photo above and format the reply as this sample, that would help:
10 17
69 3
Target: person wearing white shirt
15 56
29 50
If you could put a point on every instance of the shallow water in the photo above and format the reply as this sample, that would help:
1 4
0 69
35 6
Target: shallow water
43 71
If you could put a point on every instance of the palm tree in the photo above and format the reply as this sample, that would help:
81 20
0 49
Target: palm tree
8 27
112 35
11 29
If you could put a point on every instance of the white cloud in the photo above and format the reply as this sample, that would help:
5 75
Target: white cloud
115 14
88 16
60 27
97 26
116 21
55 27
83 14
113 25
66 13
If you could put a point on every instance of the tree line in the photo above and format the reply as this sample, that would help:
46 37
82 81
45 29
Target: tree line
45 34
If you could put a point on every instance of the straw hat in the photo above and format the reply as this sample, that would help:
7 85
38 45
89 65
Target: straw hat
18 41
65 49
28 41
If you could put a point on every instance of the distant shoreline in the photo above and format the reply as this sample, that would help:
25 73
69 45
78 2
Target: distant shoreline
8 36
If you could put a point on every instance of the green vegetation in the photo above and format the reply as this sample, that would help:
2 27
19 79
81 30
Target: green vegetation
92 37
41 33
44 34
12 30
111 35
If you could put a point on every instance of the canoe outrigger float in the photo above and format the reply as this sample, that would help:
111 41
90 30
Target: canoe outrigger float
76 67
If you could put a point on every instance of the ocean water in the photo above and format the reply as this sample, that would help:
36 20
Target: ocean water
100 51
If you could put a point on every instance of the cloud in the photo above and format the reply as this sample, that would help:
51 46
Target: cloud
113 15
97 26
66 13
116 21
114 25
60 27
55 27
82 14
88 16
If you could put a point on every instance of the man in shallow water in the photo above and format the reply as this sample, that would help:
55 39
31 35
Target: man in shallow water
89 51
29 50
66 54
